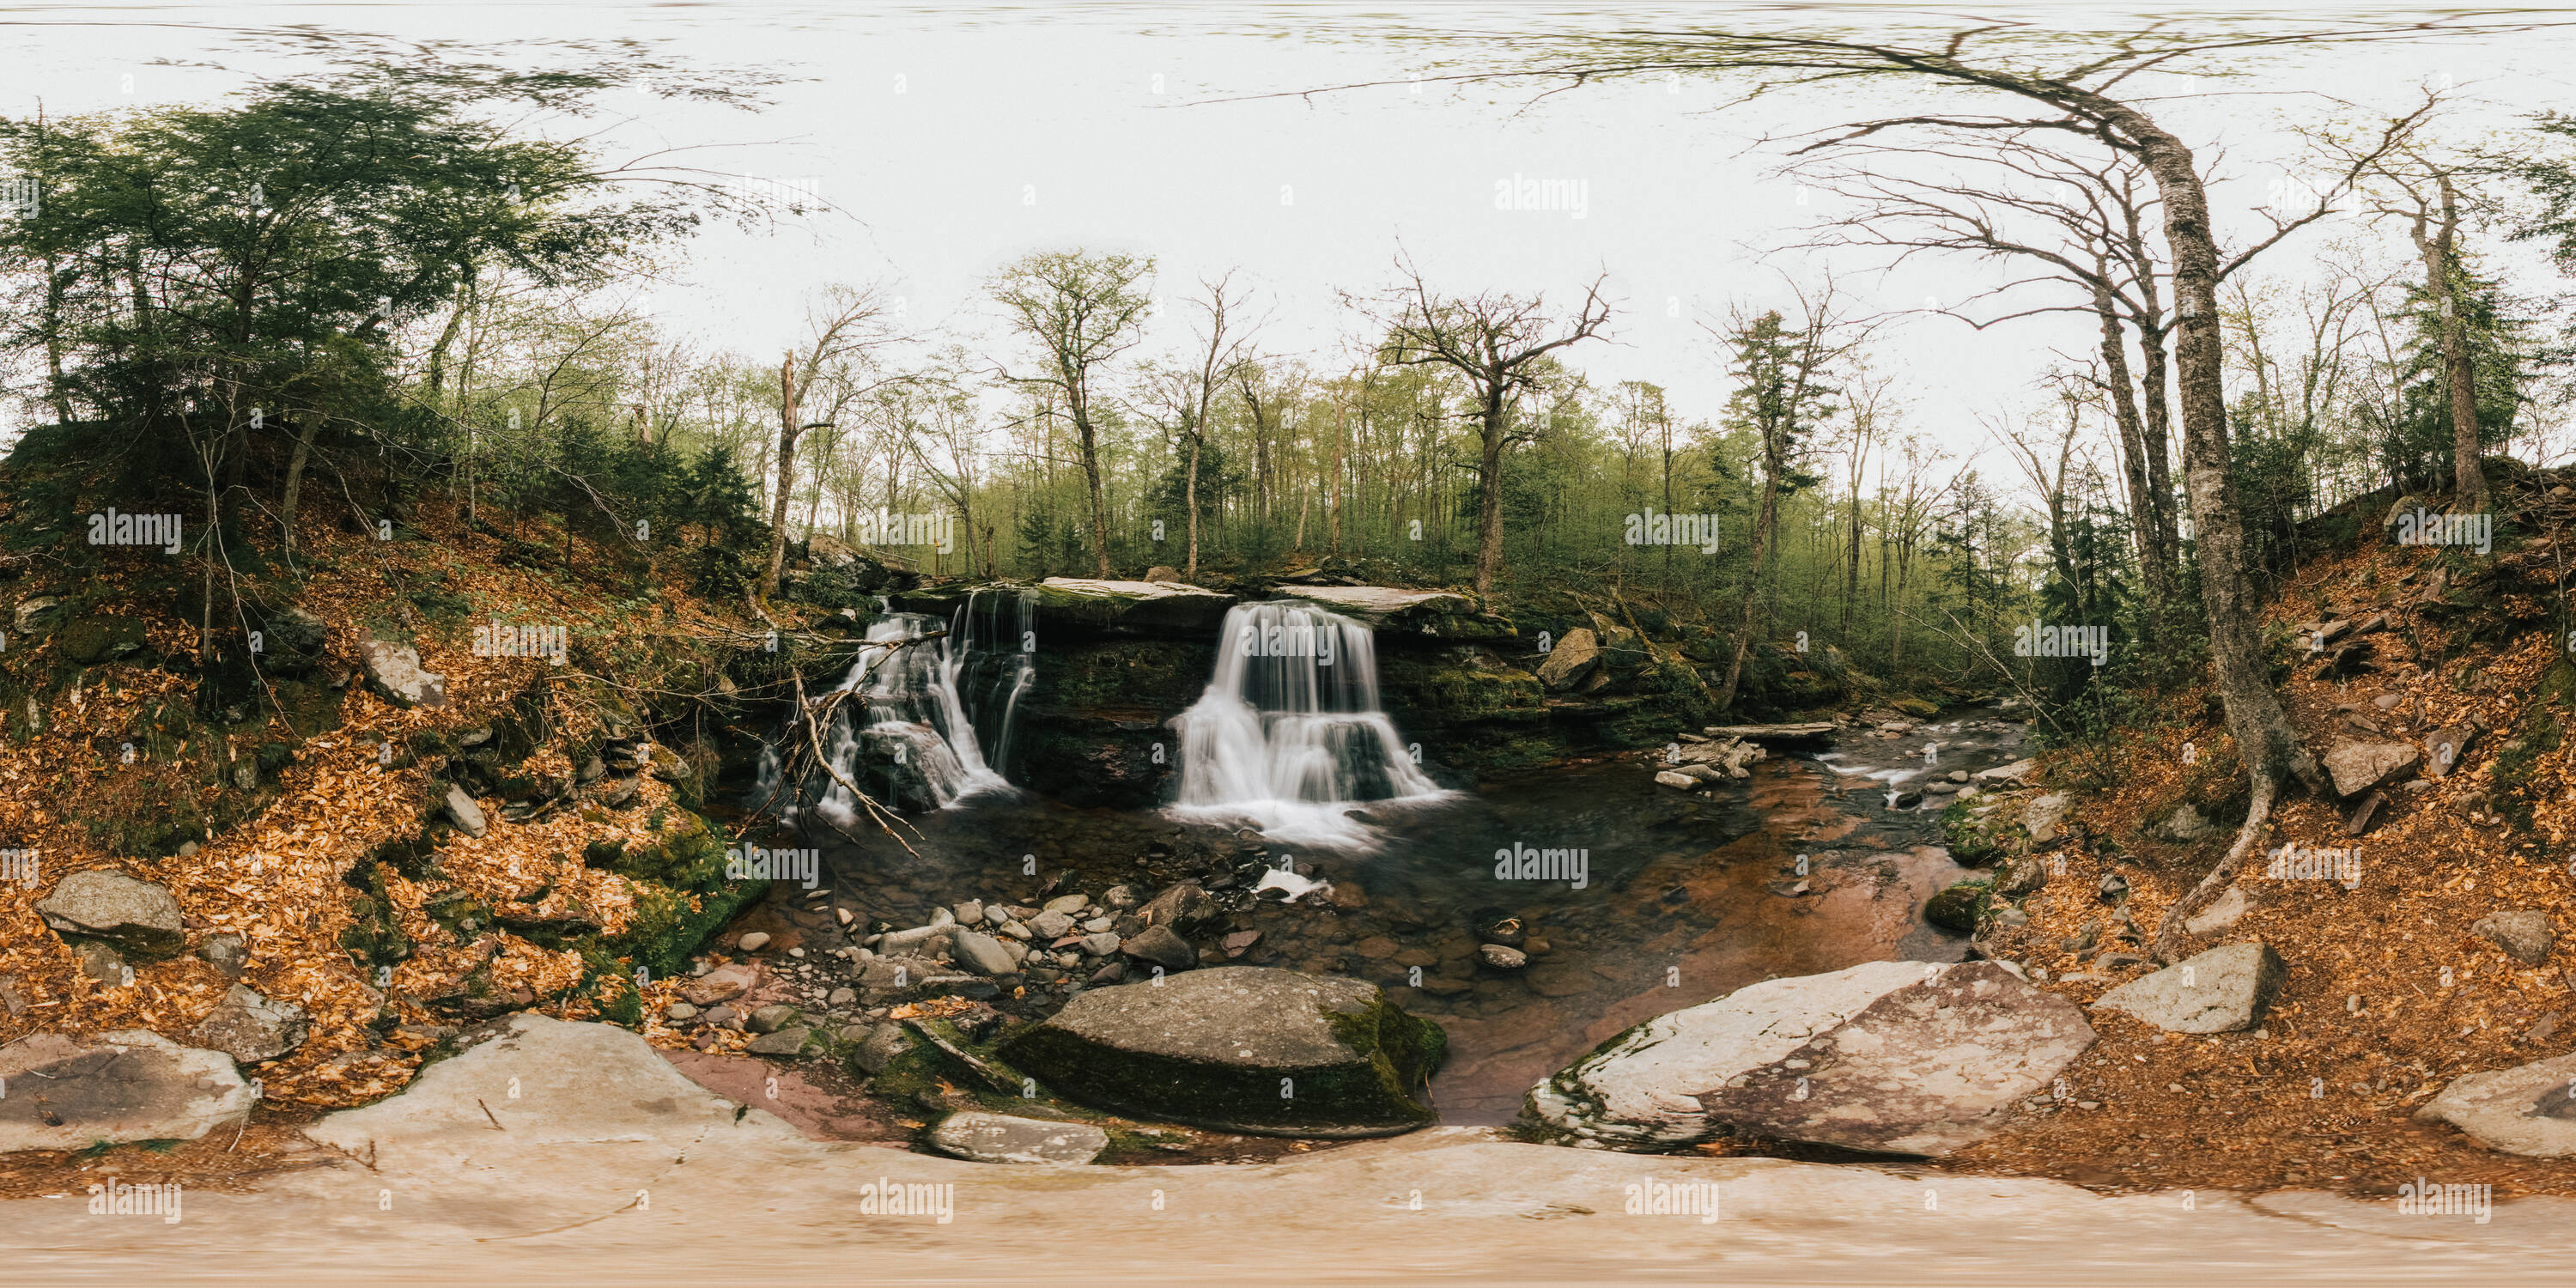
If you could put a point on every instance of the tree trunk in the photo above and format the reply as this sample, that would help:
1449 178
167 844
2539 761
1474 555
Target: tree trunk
1091 480
1190 498
2265 741
1489 504
2153 556
2441 285
1762 527
295 479
786 474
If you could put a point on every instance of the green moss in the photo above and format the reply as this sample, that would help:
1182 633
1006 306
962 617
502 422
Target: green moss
1980 831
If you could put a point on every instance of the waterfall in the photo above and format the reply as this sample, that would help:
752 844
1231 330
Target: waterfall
1289 734
934 720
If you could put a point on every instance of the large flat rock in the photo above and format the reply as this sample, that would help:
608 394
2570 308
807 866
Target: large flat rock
1394 613
1893 1057
1241 1048
72 1093
1004 1138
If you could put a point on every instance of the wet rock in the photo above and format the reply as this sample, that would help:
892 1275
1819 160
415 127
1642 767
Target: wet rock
970 913
1101 944
1894 1057
1052 925
72 1093
1123 898
1956 908
1211 1048
753 941
2524 1110
2224 990
1161 946
394 672
1069 904
1678 780
462 811
251 1028
1498 957
978 951
229 953
2356 767
1001 1138
2523 934
770 1018
1182 907
139 919
2016 772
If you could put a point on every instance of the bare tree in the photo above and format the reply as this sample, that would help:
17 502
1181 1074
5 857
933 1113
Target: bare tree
852 322
1495 340
1080 311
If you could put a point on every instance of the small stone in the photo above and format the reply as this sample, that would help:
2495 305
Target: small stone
101 962
970 912
2114 888
1002 1138
1068 903
2021 876
1498 957
983 954
841 997
1052 924
1677 780
1101 944
679 1011
844 916
1124 898
2523 934
251 1028
784 1042
752 941
229 953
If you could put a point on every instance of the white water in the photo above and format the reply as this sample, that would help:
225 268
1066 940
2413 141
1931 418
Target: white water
943 709
1289 735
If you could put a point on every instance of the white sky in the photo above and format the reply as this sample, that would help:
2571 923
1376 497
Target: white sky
932 130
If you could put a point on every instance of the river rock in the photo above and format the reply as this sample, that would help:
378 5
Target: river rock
1181 907
1211 1048
881 1046
251 1028
1052 925
2523 934
2020 876
2523 1110
394 672
721 984
1570 659
1161 946
462 811
138 918
2016 772
1001 1138
1891 1057
1956 908
2224 990
2356 767
786 1042
752 941
770 1018
1678 780
1499 957
72 1093
981 952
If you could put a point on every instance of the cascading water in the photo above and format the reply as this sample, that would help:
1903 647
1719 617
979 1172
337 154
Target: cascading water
1289 734
934 719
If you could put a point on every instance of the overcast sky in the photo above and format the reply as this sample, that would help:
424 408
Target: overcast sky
958 141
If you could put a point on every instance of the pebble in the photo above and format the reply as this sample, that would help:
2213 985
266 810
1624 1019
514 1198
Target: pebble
1068 903
680 1011
753 941
841 997
1499 957
971 911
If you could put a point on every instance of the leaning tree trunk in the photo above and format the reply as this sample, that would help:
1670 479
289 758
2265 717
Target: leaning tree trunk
2154 558
295 479
2265 741
786 474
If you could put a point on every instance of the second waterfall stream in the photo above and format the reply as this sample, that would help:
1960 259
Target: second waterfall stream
1289 735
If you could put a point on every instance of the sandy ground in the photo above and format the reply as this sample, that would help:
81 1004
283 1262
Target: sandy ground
703 1202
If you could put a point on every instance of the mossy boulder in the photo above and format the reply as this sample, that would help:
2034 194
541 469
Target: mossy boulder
1981 831
1958 907
1243 1049
100 638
